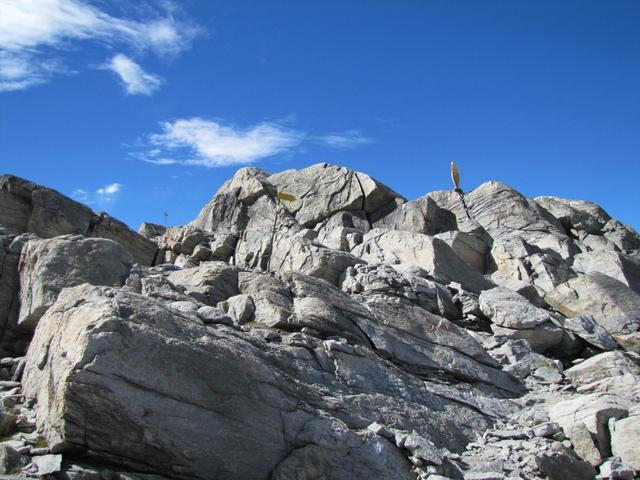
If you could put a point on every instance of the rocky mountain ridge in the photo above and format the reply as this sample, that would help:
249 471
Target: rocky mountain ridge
348 333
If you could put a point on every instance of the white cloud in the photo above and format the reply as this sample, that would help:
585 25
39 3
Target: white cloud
109 190
136 81
80 195
34 30
103 196
348 139
207 143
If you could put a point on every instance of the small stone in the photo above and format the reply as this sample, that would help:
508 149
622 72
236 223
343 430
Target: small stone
213 315
547 430
44 465
381 430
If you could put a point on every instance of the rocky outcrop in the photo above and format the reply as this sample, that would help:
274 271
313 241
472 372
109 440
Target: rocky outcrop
172 381
47 266
342 333
611 303
27 207
419 250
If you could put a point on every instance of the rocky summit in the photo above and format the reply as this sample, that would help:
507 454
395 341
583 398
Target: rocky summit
314 324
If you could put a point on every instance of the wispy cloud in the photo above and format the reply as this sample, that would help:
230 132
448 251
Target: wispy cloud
344 140
196 141
103 196
135 80
32 32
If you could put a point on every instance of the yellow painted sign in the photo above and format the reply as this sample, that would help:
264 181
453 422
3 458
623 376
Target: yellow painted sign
286 197
455 175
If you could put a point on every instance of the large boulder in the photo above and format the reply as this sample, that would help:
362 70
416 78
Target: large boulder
421 216
575 215
604 366
125 379
295 254
514 316
209 283
227 210
141 248
28 207
594 410
503 213
424 251
323 189
611 303
625 439
49 265
624 268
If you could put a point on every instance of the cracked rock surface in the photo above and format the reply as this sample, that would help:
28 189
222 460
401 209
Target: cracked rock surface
344 334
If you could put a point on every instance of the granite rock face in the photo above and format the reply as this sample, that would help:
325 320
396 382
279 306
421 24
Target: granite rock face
27 207
50 265
313 324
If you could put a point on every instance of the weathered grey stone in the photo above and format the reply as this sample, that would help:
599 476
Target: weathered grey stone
426 252
44 465
594 410
151 230
201 253
272 309
511 310
322 190
624 237
265 219
227 210
513 259
504 213
293 254
184 307
402 281
27 207
47 266
605 365
577 215
585 327
343 230
471 248
147 378
239 307
542 338
213 315
255 282
562 463
624 268
223 247
420 216
142 249
625 439
613 305
158 286
209 283
423 448
583 443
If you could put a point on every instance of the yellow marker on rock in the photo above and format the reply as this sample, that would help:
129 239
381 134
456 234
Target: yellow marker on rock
286 197
455 176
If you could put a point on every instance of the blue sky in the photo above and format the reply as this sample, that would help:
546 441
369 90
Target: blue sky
138 108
